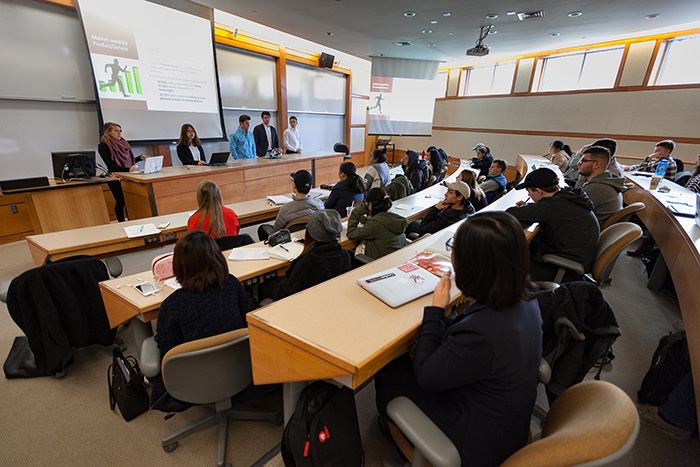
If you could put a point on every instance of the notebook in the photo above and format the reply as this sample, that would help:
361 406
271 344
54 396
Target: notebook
219 158
400 285
286 251
279 199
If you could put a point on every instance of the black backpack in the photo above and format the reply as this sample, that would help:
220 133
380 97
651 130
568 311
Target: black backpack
670 363
323 431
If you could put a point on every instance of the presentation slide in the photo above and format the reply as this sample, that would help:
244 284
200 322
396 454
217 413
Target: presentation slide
402 97
154 69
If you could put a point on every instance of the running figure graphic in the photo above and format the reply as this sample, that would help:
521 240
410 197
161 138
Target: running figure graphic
378 103
115 77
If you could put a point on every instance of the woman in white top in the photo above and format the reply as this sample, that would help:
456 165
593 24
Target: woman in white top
378 174
189 147
559 154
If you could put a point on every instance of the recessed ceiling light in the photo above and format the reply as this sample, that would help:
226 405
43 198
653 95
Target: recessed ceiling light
329 34
511 13
446 14
491 16
431 45
381 55
575 14
433 21
427 31
409 14
493 31
554 34
652 16
450 33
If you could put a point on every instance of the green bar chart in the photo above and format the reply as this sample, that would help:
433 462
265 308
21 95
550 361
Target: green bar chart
132 80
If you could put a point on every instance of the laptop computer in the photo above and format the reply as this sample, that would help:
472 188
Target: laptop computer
400 285
219 158
153 164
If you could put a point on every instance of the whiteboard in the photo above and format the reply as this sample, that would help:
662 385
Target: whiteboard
43 53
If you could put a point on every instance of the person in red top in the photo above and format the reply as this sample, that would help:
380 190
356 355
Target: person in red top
211 217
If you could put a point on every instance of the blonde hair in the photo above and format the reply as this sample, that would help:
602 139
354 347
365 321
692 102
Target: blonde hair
209 202
469 178
106 129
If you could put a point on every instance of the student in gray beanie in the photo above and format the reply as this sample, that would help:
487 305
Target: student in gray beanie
323 258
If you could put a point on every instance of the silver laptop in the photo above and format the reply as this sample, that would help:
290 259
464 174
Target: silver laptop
153 164
400 285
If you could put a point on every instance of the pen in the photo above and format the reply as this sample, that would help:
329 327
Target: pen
282 246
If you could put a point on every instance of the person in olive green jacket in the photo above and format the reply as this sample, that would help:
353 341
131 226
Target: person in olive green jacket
381 231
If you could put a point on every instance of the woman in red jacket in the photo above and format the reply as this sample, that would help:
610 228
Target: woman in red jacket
211 217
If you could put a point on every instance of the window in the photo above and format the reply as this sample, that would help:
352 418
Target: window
680 63
490 79
581 70
441 84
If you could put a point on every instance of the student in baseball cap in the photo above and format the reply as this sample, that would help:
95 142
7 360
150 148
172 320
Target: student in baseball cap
568 227
453 208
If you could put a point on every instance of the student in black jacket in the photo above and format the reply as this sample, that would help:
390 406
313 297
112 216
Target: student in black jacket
323 258
189 147
483 159
476 379
348 191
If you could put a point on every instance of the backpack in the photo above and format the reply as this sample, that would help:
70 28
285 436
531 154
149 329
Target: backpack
670 363
323 431
400 187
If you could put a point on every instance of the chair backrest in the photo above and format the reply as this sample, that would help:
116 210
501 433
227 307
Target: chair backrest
683 177
233 241
297 224
208 370
593 422
679 165
623 215
612 242
340 147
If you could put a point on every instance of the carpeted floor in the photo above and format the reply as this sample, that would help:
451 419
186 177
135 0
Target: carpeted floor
67 422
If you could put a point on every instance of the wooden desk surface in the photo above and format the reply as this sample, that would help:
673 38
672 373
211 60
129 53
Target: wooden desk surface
184 171
678 239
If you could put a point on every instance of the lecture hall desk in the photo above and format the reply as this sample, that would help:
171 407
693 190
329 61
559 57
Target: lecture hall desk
171 190
678 238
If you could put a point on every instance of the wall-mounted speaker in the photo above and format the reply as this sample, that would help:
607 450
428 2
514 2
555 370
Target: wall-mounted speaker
326 61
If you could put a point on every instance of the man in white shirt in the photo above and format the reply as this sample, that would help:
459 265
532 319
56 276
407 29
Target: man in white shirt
292 137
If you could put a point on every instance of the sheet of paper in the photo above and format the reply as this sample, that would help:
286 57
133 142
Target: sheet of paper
173 283
248 254
141 230
279 199
406 207
319 193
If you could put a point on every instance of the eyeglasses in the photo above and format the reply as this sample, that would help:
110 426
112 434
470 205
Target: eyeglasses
585 160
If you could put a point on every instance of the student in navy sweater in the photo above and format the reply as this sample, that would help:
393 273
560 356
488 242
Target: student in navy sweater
477 378
348 191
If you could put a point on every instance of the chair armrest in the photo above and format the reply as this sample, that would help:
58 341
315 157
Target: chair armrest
545 372
564 263
149 358
427 438
4 287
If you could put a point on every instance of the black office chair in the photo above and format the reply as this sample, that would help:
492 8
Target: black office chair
233 241
340 147
679 165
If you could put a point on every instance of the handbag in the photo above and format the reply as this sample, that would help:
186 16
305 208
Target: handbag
126 388
162 266
281 236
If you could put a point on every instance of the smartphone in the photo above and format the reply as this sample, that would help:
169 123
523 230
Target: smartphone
146 288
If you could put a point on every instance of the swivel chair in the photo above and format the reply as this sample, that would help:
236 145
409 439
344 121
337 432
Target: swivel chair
211 371
297 224
682 177
612 242
623 215
340 147
233 241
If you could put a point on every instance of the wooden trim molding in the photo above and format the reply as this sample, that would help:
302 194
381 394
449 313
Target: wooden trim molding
621 67
281 70
652 61
564 134
358 125
359 96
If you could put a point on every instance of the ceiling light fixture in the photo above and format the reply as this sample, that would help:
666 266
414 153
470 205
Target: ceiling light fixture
329 34
446 14
431 45
402 43
427 31
652 16
409 14
491 16
554 34
511 12
433 21
575 14
493 31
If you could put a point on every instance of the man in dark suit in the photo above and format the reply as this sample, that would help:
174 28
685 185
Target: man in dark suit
265 136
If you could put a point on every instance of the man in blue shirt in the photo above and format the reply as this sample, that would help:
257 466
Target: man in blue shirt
241 141
495 181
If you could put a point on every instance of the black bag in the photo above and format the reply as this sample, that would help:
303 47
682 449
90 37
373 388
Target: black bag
323 431
126 388
670 363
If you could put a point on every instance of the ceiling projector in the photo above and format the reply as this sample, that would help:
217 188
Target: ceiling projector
478 51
